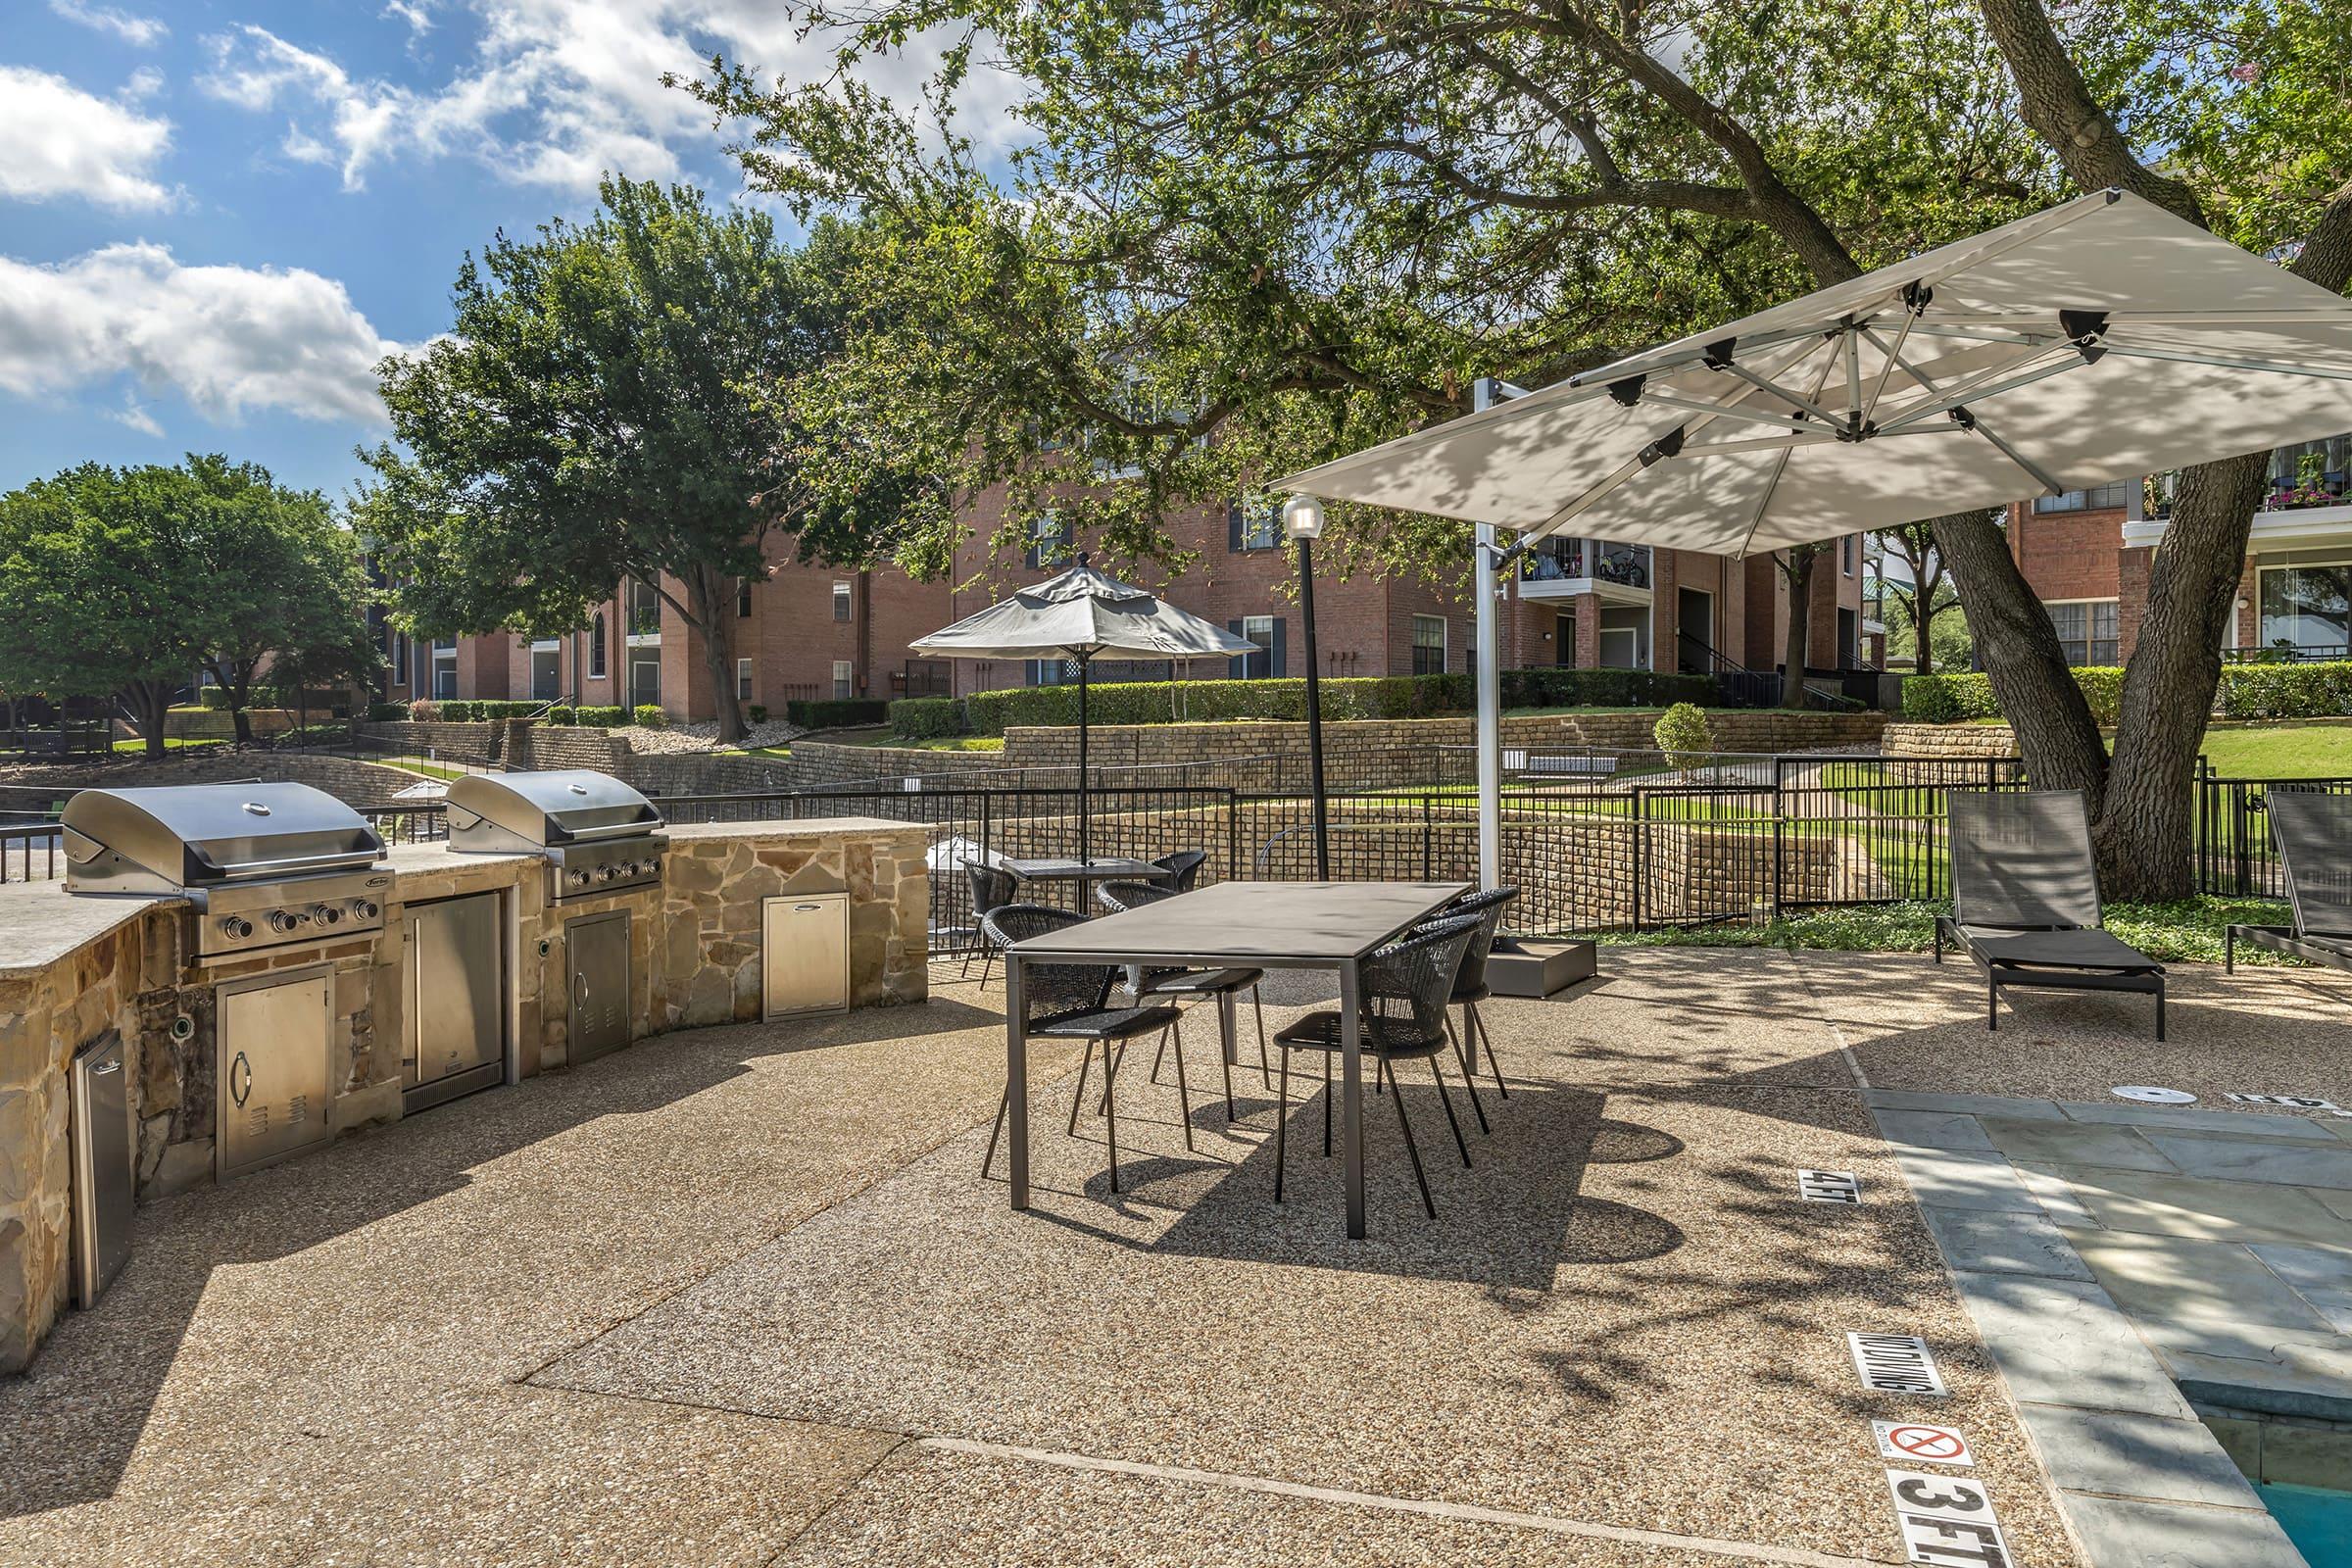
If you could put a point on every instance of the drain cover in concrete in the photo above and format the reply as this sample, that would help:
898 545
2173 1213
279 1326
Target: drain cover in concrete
2148 1094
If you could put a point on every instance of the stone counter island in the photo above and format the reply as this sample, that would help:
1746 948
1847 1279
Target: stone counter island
77 971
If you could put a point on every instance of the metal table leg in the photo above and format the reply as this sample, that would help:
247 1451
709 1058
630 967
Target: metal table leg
1226 1030
1017 1078
1351 1098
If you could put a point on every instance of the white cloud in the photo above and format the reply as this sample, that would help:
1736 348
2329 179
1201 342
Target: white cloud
139 31
226 340
556 92
134 417
418 13
57 140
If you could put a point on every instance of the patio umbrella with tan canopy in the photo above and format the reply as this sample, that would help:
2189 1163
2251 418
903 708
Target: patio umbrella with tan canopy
1083 615
2098 341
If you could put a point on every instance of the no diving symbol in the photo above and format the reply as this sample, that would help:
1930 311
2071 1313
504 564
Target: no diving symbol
1909 1441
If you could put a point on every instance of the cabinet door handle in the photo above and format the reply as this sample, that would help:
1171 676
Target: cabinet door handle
105 1068
237 1091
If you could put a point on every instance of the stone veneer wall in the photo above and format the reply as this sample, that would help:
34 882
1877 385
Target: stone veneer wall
462 743
696 960
819 764
1948 740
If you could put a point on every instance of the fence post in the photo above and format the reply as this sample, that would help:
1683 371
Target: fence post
1640 832
1428 827
1233 835
1779 829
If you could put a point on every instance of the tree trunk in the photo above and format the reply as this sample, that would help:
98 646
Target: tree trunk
1796 571
2056 734
714 605
150 702
2144 829
1923 620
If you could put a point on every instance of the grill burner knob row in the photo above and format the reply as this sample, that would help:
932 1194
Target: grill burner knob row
235 927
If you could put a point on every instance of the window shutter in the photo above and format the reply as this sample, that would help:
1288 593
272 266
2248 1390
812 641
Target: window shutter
1237 668
1233 526
1281 666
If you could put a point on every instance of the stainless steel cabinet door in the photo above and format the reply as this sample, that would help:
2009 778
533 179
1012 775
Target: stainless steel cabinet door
272 1069
103 1176
598 948
455 1009
804 967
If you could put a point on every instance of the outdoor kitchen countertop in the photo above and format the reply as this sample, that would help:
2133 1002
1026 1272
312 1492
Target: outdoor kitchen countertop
41 922
437 856
798 828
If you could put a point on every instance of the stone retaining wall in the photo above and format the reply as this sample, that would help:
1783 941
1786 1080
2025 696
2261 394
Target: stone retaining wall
1948 740
477 743
354 782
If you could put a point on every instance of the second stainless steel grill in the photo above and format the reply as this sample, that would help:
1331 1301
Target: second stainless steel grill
597 834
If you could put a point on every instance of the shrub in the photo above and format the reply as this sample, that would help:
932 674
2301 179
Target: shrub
650 716
424 712
386 712
601 717
458 712
2285 690
756 714
212 697
1160 701
838 712
922 718
1950 698
562 714
314 735
1684 735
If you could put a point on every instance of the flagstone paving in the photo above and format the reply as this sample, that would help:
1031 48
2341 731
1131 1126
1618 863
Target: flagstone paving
741 1296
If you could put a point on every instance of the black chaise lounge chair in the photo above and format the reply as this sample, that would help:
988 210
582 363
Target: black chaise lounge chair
2314 833
2026 900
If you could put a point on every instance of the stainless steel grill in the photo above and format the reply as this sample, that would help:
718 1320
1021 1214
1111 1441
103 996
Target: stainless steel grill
596 834
265 865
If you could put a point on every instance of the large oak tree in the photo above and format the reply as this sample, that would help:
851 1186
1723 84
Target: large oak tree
1303 224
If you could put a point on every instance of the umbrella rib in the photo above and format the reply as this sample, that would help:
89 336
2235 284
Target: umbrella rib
1780 467
2260 367
1985 383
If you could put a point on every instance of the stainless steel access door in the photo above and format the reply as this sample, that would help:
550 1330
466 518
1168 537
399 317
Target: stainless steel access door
454 1005
597 946
103 1176
805 956
271 1090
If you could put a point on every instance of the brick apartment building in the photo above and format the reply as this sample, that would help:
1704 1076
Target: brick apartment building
810 631
2087 556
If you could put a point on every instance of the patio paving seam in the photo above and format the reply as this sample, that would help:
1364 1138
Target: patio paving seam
1829 1019
1551 1524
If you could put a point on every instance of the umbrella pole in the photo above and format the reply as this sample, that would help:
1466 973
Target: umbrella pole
1084 842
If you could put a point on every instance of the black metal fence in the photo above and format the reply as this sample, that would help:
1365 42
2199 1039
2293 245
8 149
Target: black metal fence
2235 857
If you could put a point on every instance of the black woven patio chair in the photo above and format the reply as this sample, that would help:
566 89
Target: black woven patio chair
992 889
2313 829
2026 900
1183 869
1183 984
1072 1002
1406 988
1470 987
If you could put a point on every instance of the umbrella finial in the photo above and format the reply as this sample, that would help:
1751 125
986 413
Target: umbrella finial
1082 557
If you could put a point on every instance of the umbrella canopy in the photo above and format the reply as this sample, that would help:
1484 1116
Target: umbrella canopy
2101 340
1083 615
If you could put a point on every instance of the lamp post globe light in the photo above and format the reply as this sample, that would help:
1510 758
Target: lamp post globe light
1302 523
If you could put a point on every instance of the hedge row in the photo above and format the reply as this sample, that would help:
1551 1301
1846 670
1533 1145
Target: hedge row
837 712
2247 691
564 718
1368 697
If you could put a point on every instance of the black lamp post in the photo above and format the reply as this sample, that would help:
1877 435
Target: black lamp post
1303 520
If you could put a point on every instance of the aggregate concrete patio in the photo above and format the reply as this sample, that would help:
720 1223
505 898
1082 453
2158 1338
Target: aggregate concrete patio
739 1295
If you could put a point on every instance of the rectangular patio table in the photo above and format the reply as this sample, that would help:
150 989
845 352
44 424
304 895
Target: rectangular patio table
1085 873
1233 925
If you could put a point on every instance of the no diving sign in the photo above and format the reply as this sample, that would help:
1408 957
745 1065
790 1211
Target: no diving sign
1912 1443
1894 1363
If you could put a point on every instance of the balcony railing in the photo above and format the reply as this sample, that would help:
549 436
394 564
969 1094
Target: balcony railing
1566 560
2288 654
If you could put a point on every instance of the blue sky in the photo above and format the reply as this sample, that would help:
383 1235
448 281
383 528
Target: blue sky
216 214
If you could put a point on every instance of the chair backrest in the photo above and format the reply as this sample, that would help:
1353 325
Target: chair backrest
1407 984
1049 990
1183 869
992 887
2021 858
1119 897
2313 832
1488 906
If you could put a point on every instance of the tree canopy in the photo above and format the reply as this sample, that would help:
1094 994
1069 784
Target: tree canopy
629 396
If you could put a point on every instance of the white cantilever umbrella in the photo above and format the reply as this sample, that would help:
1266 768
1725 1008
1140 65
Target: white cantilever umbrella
1085 615
2101 340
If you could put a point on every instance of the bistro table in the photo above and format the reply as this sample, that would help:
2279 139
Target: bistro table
1255 926
1084 873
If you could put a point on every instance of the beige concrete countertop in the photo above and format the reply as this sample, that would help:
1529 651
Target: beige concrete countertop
812 827
409 858
41 922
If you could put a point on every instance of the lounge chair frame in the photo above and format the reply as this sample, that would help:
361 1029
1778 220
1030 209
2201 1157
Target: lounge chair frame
2313 830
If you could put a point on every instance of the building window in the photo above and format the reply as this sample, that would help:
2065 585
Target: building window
1845 555
1047 544
743 599
645 611
743 680
841 600
2086 631
401 674
596 646
1267 632
1254 522
1429 645
2098 498
841 680
2307 609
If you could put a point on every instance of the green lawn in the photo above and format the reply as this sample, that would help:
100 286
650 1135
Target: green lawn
2166 932
2319 747
173 743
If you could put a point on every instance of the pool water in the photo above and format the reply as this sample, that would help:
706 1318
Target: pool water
2317 1522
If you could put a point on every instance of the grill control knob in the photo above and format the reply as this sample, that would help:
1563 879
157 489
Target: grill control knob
365 909
326 914
235 927
606 873
284 921
579 879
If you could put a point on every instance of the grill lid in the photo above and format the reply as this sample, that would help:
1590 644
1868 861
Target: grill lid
545 811
167 837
